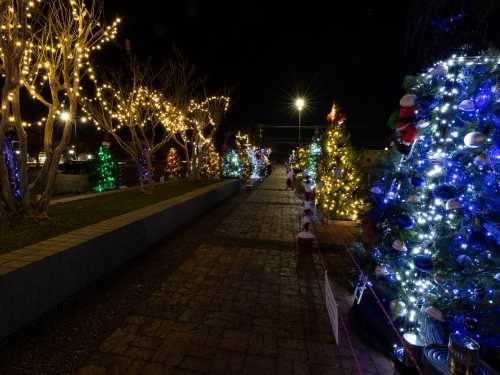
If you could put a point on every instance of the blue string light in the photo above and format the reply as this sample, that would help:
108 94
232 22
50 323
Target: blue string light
12 168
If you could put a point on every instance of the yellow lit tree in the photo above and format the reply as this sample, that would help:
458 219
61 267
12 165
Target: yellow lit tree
49 55
202 114
338 179
197 131
16 32
137 116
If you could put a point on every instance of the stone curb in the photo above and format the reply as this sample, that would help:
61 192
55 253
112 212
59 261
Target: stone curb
36 278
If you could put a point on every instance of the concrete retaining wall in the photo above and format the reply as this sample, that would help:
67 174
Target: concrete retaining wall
36 278
72 183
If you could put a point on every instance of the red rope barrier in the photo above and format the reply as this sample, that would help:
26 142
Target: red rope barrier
406 348
344 326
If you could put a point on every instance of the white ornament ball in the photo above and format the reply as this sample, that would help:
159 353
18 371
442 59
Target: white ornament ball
408 100
453 204
474 139
482 160
435 313
467 105
422 124
399 245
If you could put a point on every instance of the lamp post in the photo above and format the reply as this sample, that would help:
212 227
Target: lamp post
300 104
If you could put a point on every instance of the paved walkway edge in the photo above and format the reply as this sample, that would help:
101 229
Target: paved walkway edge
38 277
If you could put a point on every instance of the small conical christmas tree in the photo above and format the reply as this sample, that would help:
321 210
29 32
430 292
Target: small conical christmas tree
106 170
338 179
313 153
231 165
173 164
210 164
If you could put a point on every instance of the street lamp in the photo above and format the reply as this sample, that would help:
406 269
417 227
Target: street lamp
300 103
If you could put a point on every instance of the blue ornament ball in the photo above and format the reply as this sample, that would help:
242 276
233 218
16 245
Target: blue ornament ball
423 263
445 192
464 259
405 221
417 181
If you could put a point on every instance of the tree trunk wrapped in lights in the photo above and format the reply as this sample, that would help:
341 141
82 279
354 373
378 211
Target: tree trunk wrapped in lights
12 168
338 179
437 220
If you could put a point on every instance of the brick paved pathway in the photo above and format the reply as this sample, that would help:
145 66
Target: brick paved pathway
223 297
235 306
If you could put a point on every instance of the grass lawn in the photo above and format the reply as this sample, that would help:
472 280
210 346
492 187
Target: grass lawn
65 217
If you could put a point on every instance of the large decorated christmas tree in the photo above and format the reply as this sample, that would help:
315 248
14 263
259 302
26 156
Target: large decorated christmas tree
338 179
437 218
106 170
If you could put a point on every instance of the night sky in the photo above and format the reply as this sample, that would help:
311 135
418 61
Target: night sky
355 53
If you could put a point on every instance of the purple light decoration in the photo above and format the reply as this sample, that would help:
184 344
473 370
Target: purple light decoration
11 163
144 166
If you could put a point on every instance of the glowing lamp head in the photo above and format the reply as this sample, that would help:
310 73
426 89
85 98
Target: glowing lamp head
300 103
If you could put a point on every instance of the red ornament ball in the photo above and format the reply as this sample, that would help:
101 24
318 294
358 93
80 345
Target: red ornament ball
407 112
408 135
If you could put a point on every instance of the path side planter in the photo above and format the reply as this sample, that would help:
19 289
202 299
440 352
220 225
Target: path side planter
36 278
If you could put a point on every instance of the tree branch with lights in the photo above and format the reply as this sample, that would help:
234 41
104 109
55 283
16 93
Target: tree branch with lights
138 117
63 43
16 23
48 56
